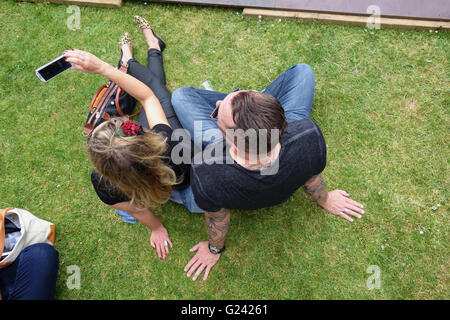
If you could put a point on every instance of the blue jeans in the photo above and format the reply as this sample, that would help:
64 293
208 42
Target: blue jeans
32 276
186 198
294 89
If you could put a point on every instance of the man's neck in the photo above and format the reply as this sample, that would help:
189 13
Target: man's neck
259 163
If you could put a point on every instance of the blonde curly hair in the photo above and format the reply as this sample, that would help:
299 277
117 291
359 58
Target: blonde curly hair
133 164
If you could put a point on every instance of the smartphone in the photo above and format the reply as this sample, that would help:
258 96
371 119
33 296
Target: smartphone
52 69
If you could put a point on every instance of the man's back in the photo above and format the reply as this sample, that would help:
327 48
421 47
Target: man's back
221 185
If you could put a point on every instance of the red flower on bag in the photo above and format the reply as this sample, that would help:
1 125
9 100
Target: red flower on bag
130 128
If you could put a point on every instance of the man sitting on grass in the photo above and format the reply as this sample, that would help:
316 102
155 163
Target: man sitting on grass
289 152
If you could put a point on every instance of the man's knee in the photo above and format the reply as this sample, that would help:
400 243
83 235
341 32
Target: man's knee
303 71
180 96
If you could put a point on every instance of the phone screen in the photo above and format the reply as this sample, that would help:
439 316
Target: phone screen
54 68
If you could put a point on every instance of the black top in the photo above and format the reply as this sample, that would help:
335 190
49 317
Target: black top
302 155
111 195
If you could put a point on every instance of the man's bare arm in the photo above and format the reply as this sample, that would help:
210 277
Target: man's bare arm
217 226
337 202
316 189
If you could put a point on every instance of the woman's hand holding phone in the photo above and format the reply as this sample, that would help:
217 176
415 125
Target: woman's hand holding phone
85 61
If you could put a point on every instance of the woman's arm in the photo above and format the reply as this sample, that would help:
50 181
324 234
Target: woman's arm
140 91
159 235
89 63
145 216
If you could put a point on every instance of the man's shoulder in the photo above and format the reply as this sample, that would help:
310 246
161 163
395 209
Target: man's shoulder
301 125
300 129
213 173
218 172
210 183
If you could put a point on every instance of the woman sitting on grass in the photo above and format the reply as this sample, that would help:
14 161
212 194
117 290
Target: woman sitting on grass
132 160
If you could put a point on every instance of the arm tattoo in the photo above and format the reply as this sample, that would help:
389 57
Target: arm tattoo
217 226
316 189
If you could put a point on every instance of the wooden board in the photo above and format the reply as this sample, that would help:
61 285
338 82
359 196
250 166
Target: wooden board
427 9
96 3
231 3
422 9
347 19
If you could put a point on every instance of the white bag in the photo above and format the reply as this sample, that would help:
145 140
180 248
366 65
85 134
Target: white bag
32 230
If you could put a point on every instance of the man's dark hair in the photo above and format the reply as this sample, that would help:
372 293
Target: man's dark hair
254 110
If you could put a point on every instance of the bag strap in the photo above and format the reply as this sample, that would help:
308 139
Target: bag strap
118 93
108 90
124 69
2 228
105 97
89 126
101 105
104 103
91 105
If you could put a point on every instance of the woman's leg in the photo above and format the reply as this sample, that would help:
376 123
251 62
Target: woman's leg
156 64
159 89
154 81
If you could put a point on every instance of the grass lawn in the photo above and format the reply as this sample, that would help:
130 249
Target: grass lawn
382 102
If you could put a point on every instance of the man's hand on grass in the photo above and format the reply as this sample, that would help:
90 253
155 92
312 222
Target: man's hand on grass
339 203
159 240
202 260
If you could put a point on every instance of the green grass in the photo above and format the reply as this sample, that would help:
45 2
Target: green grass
382 107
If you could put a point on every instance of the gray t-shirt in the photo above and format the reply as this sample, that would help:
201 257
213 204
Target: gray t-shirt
231 186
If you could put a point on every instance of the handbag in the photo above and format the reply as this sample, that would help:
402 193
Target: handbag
20 229
109 101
